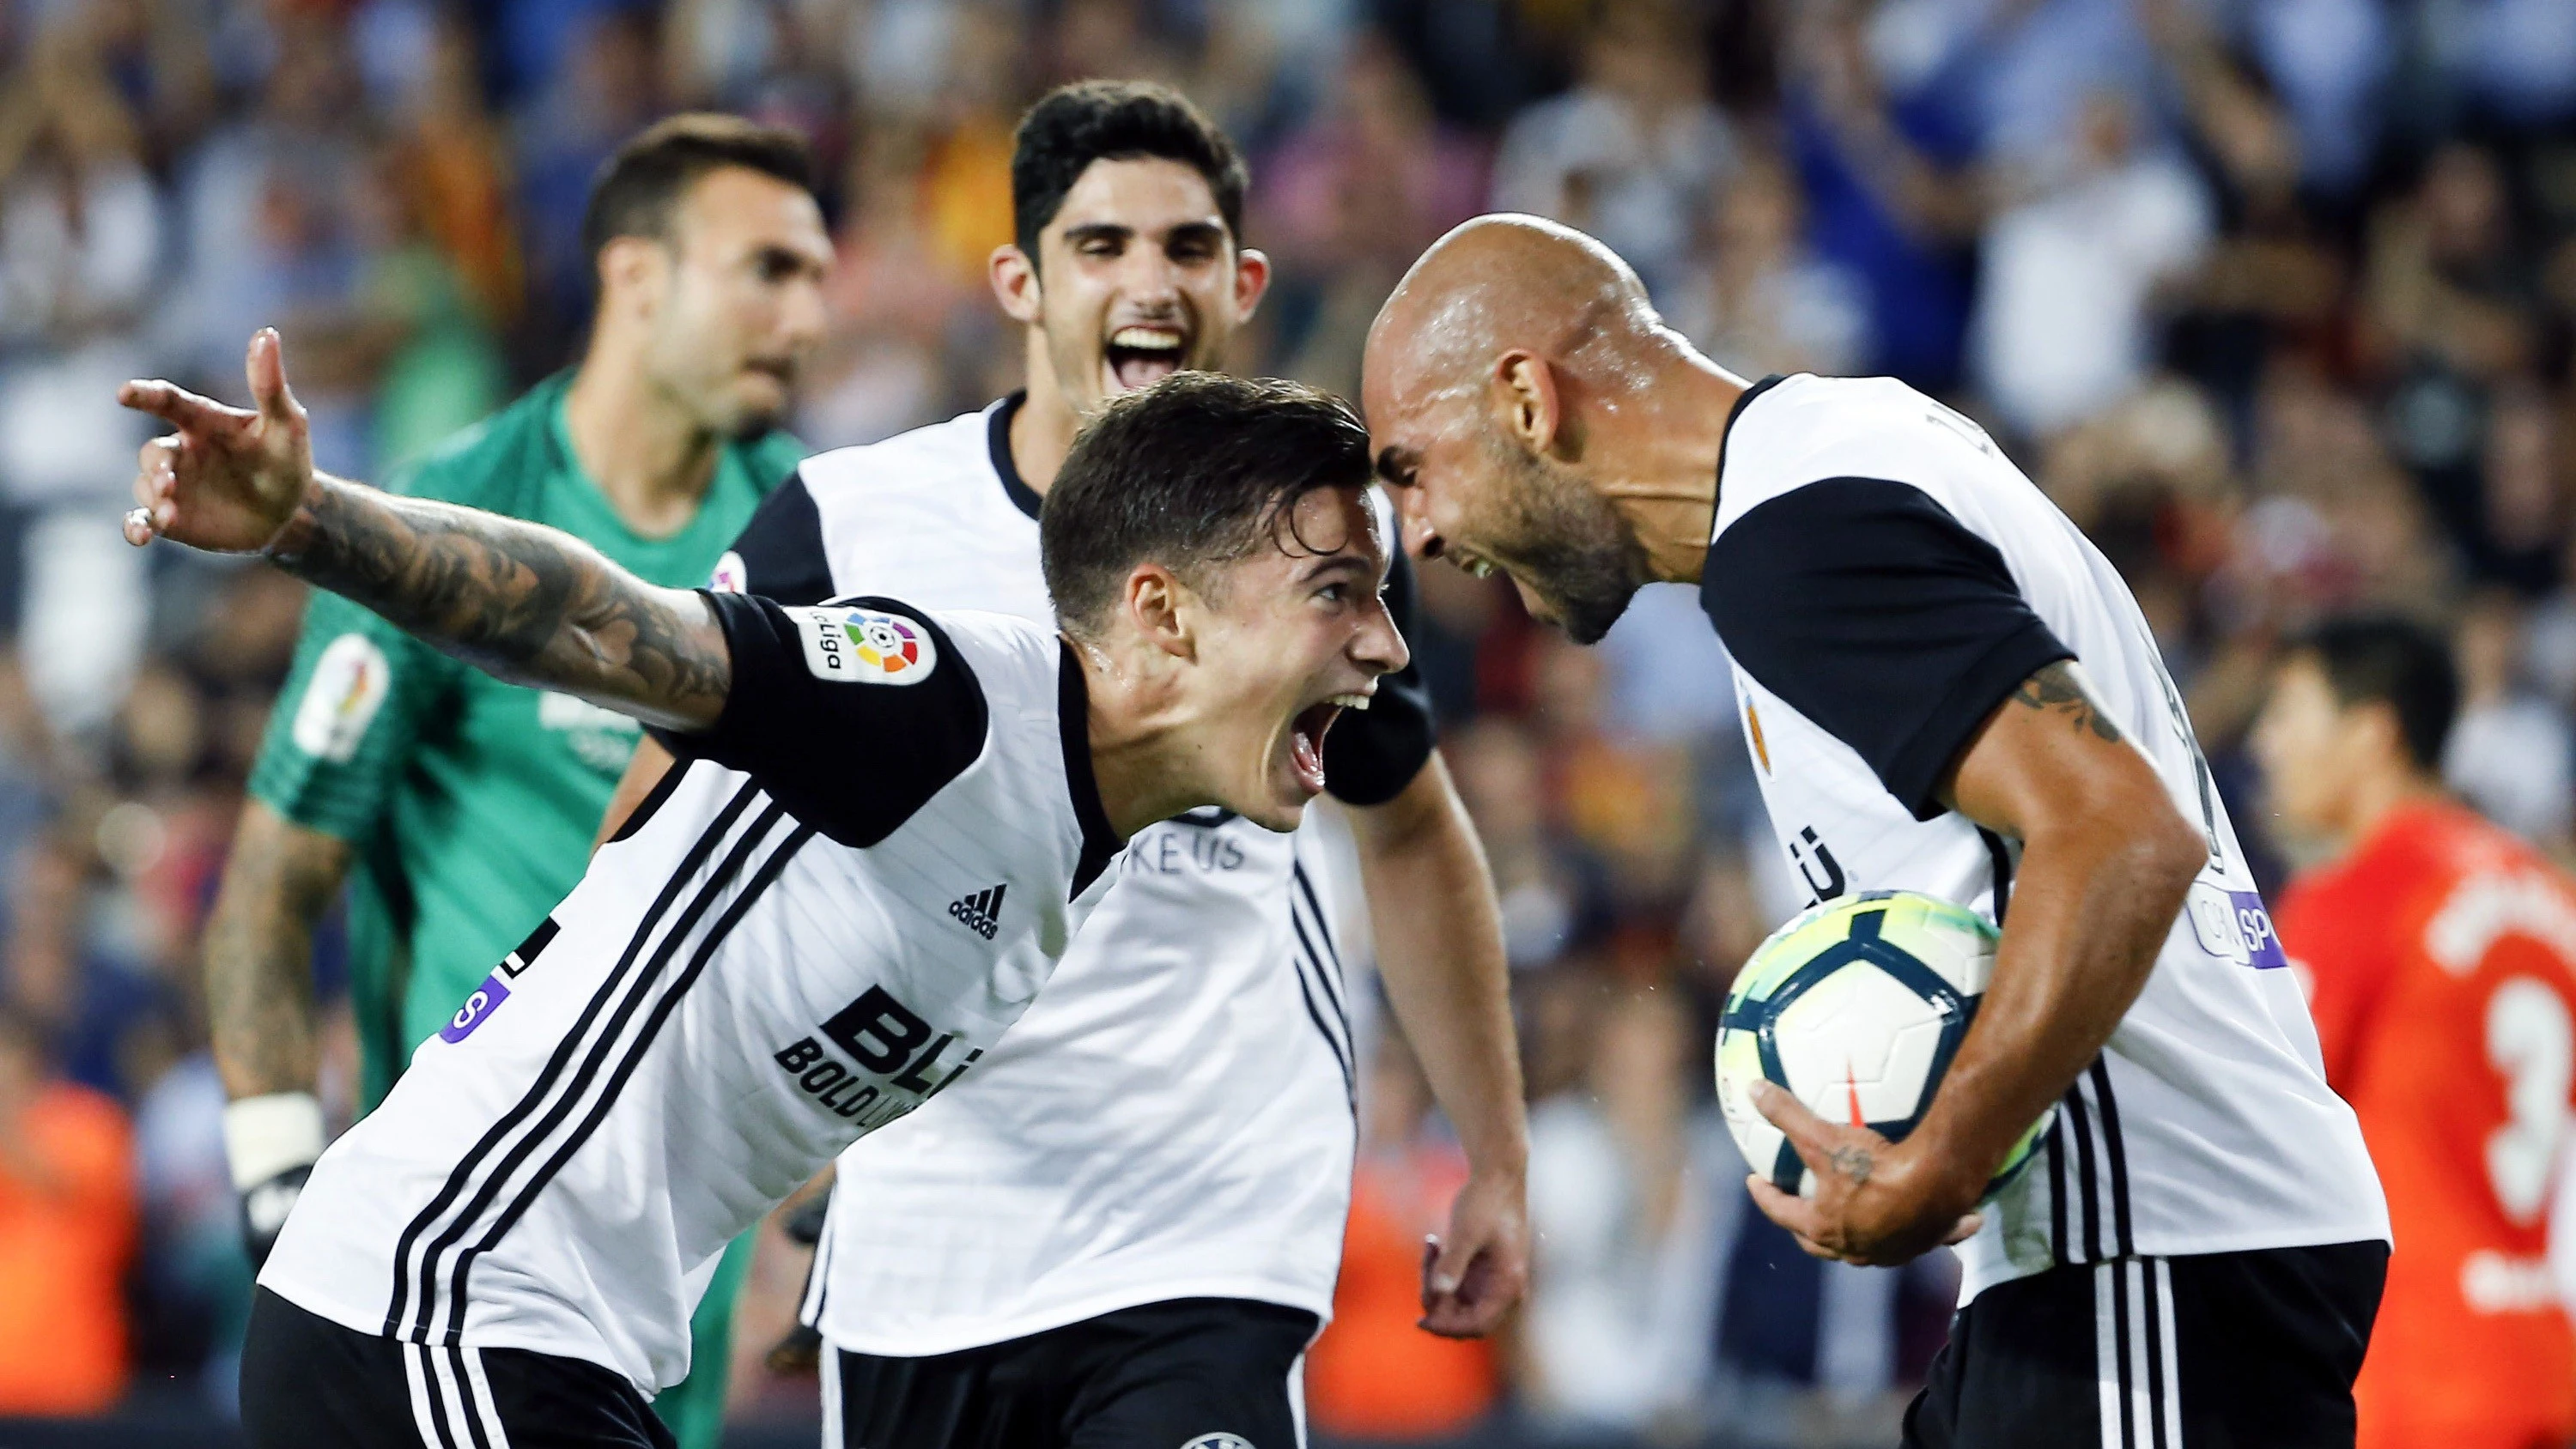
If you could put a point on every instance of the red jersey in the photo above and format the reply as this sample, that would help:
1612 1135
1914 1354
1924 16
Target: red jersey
2442 957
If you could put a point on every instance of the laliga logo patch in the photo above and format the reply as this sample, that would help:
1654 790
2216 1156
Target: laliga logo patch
729 577
862 646
1218 1441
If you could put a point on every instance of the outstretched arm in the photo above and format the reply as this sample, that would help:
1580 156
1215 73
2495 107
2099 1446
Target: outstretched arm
522 602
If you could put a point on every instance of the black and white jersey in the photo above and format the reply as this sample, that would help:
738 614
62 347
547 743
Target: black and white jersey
860 877
1883 577
1172 1119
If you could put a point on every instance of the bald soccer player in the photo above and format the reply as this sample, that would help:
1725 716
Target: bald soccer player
1946 689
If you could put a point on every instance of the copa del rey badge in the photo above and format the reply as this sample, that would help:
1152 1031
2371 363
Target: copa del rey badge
862 646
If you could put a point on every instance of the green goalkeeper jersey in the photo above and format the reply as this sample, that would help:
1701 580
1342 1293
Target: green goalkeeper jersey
471 803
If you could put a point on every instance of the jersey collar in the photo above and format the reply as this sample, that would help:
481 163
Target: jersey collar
1743 400
997 441
1073 721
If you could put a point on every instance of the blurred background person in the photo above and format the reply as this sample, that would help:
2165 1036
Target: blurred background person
462 809
67 1217
2440 956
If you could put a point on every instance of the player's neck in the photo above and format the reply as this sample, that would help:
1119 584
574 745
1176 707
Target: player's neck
1665 438
1042 431
652 458
1143 760
2370 801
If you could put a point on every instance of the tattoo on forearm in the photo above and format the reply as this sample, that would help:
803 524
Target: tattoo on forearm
1854 1163
2056 688
518 600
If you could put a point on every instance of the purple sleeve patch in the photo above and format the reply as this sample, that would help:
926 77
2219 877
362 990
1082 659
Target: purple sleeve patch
479 1004
2262 943
2234 926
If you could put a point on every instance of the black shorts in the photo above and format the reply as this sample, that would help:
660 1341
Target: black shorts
1194 1373
308 1383
2220 1351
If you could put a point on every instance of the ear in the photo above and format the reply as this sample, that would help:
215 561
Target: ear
1526 395
633 271
1015 284
1156 607
1251 282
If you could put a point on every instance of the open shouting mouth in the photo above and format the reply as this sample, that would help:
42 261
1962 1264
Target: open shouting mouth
1142 354
1306 737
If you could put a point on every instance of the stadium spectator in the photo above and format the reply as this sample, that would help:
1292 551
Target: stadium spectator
1619 1278
66 1232
1374 1377
2071 269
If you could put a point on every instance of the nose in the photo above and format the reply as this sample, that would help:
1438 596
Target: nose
1380 647
803 317
1150 278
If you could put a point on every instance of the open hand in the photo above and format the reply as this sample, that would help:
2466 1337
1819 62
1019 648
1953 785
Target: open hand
1875 1202
227 481
1472 1278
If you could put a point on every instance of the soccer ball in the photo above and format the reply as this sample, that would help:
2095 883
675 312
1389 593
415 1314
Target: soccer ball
1857 1007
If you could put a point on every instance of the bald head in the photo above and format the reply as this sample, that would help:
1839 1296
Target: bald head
1498 284
1528 408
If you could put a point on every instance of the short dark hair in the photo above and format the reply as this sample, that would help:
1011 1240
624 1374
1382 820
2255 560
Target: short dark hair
1072 126
1198 470
2393 660
638 185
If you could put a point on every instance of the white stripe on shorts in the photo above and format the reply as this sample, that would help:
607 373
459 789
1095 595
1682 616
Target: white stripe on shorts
478 1399
2133 1337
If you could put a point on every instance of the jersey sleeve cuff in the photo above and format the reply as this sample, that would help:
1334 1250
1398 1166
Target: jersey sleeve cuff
1914 775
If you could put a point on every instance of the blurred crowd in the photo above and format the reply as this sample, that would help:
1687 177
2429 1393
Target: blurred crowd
2277 298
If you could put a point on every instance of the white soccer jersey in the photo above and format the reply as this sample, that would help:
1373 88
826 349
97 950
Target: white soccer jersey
1883 577
822 920
1172 1119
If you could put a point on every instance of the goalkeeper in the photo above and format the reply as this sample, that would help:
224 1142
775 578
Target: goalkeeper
459 810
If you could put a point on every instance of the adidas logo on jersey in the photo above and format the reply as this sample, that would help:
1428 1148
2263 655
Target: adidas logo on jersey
982 911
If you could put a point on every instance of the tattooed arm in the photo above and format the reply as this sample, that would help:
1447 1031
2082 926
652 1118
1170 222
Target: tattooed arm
2106 858
517 600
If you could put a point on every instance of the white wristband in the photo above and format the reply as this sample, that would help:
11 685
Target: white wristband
264 1136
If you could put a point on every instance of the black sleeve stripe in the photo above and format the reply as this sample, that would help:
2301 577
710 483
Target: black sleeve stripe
781 549
1371 755
852 759
1869 609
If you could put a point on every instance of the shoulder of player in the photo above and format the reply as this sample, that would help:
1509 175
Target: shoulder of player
935 456
1806 429
958 649
488 464
773 457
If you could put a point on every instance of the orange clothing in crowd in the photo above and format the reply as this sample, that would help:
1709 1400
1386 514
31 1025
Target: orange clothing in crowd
66 1231
2442 953
1374 1374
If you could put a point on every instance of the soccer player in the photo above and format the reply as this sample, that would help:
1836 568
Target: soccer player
1126 1225
1945 688
2441 953
892 823
459 808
